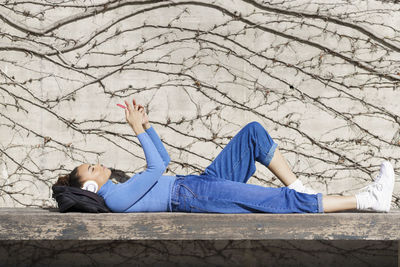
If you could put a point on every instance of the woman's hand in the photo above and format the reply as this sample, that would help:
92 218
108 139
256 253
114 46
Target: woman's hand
145 118
134 117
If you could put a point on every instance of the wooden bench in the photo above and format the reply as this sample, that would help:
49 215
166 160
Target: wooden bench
49 224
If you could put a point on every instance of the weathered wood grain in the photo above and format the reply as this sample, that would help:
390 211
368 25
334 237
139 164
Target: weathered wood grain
42 224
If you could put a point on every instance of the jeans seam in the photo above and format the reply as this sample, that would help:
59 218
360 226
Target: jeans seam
193 206
189 190
269 207
187 201
252 203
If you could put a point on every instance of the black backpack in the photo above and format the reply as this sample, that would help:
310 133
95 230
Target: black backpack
74 199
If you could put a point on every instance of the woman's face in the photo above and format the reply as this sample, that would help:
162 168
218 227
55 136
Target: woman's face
97 172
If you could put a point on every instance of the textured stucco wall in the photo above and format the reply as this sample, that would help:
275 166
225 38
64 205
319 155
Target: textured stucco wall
323 79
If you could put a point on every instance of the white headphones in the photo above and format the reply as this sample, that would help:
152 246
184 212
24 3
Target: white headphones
91 186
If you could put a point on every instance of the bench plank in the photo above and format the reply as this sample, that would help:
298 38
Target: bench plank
49 224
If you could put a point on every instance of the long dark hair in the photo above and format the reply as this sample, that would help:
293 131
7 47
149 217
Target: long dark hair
119 175
73 179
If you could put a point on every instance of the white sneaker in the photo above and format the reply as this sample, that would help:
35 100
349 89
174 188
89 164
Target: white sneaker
377 196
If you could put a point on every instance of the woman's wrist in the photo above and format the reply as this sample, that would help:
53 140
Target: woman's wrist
137 128
146 125
139 131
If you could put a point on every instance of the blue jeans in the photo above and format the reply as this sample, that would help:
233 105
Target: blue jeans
222 187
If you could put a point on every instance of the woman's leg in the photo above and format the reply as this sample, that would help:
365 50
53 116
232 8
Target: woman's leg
236 162
227 197
376 197
212 194
280 168
332 203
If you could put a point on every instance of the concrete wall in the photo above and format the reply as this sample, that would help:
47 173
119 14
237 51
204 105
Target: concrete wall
323 79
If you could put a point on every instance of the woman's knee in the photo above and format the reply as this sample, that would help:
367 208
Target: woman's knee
254 125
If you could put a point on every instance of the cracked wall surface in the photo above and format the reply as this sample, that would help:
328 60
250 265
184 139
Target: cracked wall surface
322 78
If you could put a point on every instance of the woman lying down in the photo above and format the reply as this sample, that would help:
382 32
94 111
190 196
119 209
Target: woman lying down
222 187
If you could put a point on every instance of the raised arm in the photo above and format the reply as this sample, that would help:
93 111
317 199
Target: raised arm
153 135
158 143
127 194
